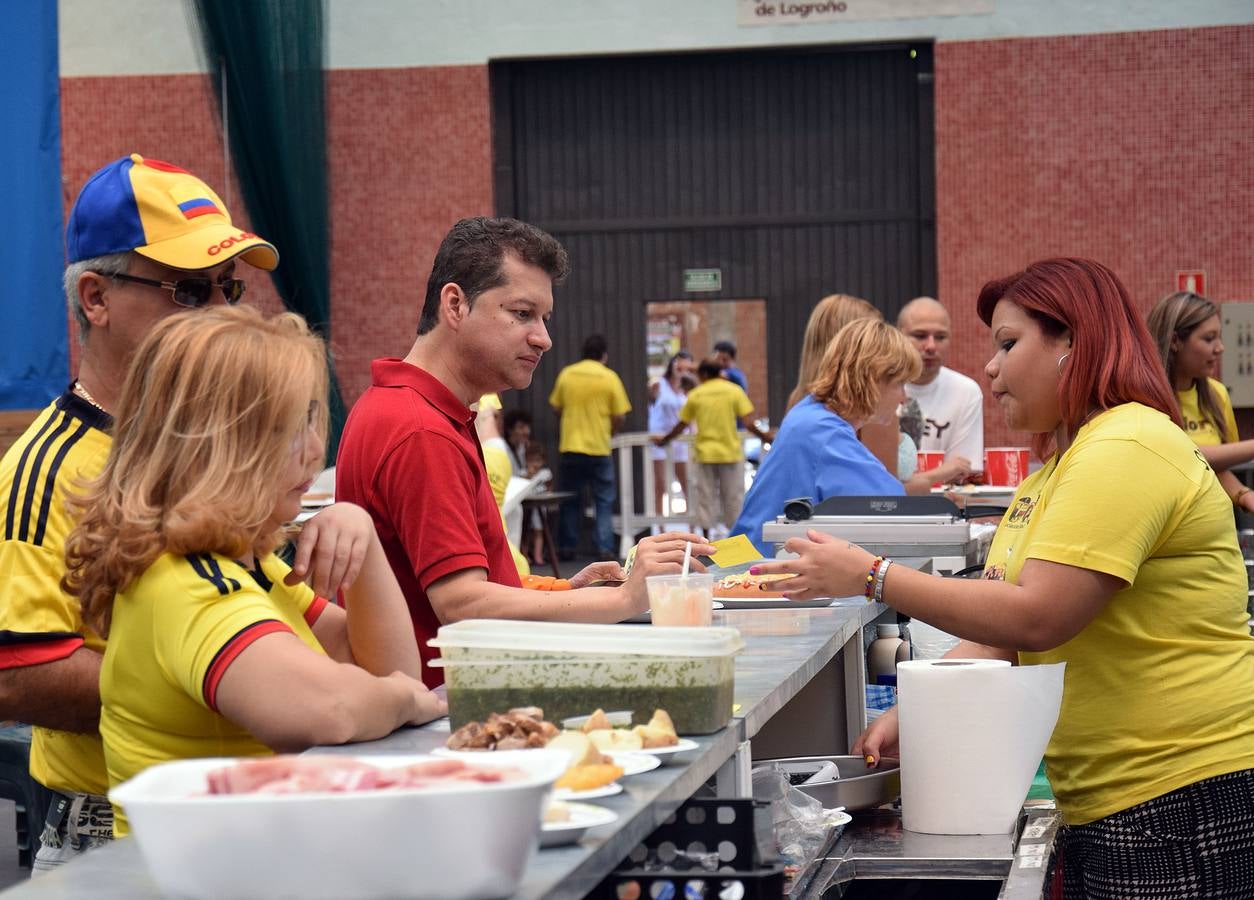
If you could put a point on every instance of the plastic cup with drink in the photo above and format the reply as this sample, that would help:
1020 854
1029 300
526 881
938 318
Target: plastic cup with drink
683 599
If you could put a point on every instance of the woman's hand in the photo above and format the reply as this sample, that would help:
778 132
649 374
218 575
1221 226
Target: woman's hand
825 566
426 705
598 571
331 548
881 738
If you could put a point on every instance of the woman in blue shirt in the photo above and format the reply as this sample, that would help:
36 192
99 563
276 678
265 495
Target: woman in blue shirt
817 453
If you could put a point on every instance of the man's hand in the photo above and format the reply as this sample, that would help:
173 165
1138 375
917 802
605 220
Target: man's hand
331 548
951 470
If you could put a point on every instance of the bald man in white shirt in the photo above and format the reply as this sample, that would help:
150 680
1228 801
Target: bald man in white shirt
952 404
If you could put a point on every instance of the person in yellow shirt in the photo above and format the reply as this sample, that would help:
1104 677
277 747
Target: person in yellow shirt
215 647
1188 332
716 405
590 399
1118 557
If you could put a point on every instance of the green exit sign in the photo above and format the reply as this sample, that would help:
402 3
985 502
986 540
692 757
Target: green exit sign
703 279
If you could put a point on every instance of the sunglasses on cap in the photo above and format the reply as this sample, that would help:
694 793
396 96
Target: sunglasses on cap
191 292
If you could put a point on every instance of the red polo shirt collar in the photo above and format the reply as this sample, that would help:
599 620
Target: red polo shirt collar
392 372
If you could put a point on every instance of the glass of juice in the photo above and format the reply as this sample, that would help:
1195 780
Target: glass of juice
681 599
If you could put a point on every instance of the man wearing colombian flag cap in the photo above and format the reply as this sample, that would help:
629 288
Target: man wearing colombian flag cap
145 239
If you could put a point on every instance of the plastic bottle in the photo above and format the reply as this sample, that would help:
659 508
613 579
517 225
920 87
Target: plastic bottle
881 656
905 650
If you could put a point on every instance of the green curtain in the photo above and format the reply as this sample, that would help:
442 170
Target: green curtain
273 54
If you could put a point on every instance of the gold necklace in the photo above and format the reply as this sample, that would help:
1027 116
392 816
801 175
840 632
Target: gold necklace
86 395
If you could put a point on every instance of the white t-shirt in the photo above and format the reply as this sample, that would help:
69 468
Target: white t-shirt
953 416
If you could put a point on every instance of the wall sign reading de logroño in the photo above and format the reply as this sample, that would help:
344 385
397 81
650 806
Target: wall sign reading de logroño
797 12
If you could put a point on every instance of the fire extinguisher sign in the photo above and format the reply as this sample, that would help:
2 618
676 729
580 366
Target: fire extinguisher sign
1193 280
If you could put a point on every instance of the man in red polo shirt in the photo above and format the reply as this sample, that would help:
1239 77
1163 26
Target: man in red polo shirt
409 453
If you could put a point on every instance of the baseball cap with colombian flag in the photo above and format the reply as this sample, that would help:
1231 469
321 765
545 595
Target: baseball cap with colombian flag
162 212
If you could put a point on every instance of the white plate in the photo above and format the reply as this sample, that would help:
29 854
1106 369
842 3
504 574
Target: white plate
607 790
683 746
582 817
645 618
774 603
632 763
635 762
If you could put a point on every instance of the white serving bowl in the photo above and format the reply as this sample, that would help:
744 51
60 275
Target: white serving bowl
455 842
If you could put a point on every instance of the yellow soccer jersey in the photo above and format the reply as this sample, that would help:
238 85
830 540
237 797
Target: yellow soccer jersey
175 631
715 405
39 623
1200 428
587 394
1156 688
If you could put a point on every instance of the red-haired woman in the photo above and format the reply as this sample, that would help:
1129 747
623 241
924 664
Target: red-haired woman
1120 560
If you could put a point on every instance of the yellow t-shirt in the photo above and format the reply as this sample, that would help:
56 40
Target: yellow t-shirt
40 623
1157 688
587 394
500 469
1200 428
716 404
175 630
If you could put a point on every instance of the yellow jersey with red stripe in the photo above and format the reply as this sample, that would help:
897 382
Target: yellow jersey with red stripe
175 631
67 443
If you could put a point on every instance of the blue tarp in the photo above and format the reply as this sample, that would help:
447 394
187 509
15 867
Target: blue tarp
34 345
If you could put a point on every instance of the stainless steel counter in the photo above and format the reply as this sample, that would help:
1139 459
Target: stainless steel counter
876 857
785 651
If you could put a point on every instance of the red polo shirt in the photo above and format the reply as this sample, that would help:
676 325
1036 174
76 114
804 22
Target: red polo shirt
410 456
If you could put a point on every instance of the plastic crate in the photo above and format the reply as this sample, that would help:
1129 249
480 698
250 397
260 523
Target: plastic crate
668 865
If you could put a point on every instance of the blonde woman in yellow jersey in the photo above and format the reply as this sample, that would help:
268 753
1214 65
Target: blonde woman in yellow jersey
215 646
1188 331
1118 558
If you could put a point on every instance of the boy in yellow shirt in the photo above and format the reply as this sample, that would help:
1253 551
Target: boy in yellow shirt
716 405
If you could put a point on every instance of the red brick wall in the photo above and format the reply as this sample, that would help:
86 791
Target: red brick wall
1132 149
409 155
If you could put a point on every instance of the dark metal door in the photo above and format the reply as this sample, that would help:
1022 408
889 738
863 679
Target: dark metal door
798 173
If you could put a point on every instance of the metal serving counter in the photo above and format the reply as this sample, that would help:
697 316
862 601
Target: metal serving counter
799 681
876 858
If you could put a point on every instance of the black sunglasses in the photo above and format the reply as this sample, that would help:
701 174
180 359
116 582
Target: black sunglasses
191 292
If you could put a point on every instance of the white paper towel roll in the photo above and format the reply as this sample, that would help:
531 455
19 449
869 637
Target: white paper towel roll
972 735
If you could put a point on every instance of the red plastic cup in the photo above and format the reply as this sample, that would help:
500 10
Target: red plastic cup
1005 466
928 461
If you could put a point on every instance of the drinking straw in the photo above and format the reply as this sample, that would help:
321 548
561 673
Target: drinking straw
683 575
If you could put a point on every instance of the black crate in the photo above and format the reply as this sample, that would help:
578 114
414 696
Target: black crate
674 862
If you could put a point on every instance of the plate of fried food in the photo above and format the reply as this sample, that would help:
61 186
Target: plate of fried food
657 738
591 773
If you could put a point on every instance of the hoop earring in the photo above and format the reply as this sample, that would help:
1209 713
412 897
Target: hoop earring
1060 359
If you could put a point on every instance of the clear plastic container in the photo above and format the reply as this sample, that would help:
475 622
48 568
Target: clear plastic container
492 665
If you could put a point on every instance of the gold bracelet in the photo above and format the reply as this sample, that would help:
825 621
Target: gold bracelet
1236 498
